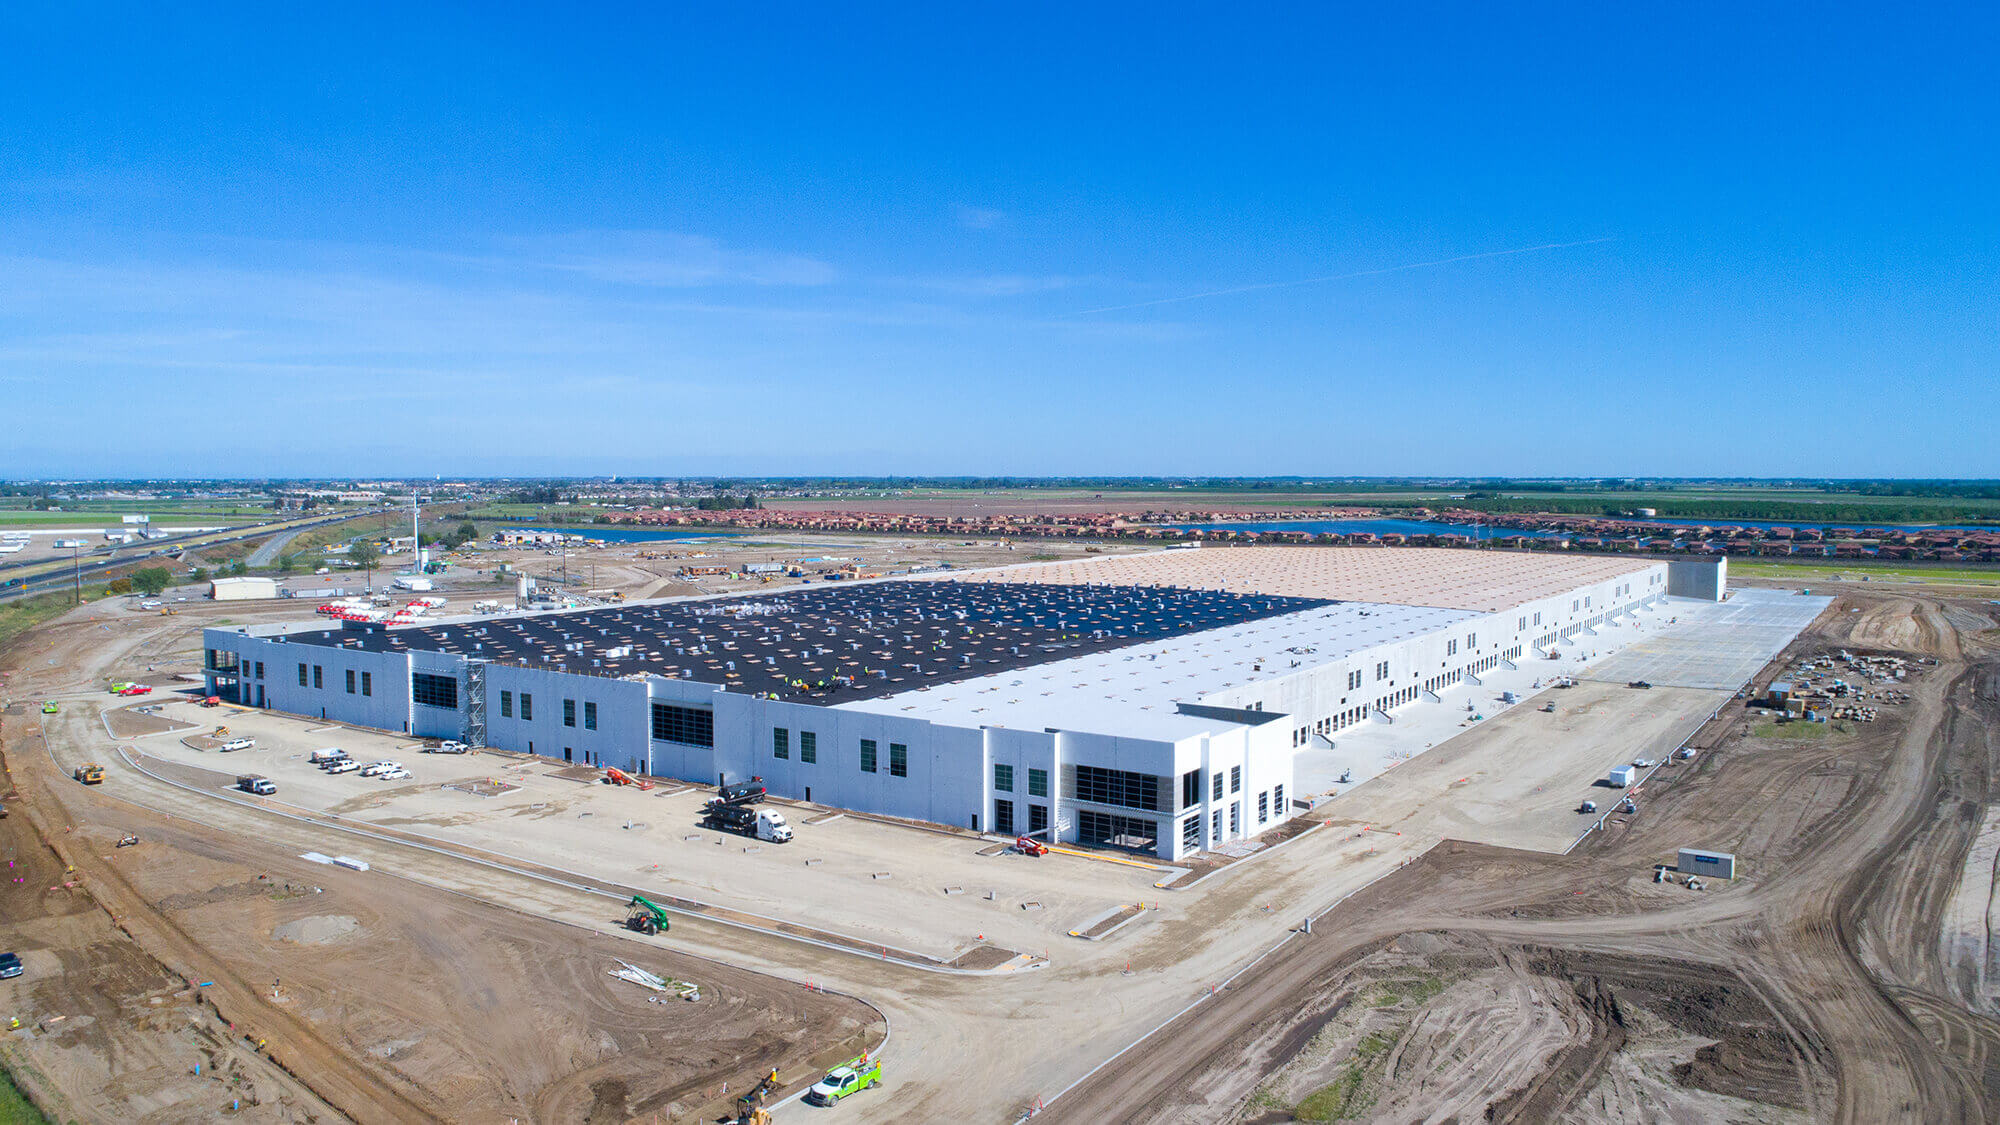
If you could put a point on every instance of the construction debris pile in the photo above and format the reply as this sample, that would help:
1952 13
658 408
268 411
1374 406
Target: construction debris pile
1815 693
632 974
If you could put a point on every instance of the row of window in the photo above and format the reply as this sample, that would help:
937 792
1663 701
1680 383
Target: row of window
1117 787
367 682
1003 817
1270 802
689 726
781 748
899 758
781 745
568 711
1038 780
434 691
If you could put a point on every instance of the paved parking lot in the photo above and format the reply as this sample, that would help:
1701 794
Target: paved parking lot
1715 645
906 887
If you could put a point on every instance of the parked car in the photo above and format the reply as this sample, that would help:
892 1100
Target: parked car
152 603
397 774
344 765
10 965
239 744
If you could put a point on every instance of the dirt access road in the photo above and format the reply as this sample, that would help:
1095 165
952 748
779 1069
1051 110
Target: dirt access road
1812 988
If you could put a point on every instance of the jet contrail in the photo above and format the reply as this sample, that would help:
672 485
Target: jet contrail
1334 277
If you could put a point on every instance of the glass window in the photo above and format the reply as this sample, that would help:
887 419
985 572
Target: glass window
1235 817
1236 779
367 683
867 755
689 726
899 760
302 675
589 715
1263 806
569 712
781 742
1117 787
350 681
319 680
1215 826
506 704
1003 778
527 707
260 669
1191 832
1217 794
1118 831
1003 817
1038 783
1278 800
434 691
808 747
1038 818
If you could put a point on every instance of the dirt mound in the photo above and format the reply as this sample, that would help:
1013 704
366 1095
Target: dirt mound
317 929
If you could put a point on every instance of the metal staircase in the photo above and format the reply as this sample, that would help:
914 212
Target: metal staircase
474 732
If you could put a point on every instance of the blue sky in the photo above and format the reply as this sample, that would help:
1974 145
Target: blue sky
880 239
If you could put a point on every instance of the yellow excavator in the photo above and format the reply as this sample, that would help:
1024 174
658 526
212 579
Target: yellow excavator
750 1107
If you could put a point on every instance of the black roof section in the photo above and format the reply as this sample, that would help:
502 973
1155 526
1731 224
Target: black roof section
829 645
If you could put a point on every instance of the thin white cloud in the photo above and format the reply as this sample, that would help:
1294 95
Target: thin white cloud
1262 286
664 259
980 218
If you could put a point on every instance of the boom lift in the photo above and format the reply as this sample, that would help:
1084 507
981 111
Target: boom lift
615 776
646 917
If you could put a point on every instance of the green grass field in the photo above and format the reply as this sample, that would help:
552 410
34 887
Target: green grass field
15 1108
1826 571
1719 502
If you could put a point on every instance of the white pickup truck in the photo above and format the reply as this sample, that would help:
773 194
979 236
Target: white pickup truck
239 744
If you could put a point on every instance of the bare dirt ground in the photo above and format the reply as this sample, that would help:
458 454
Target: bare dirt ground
652 569
107 1033
1572 947
311 993
1813 988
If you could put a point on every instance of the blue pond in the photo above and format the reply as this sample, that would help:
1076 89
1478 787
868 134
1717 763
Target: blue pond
636 534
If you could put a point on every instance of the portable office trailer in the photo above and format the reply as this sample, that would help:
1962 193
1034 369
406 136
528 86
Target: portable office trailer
1708 865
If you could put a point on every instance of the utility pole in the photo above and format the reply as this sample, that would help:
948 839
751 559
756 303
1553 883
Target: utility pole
76 556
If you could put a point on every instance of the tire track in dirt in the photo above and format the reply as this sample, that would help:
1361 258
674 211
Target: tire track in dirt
1834 931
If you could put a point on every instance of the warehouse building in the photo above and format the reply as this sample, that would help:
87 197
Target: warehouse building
242 589
1153 702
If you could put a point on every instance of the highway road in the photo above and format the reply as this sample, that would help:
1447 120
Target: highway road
20 579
